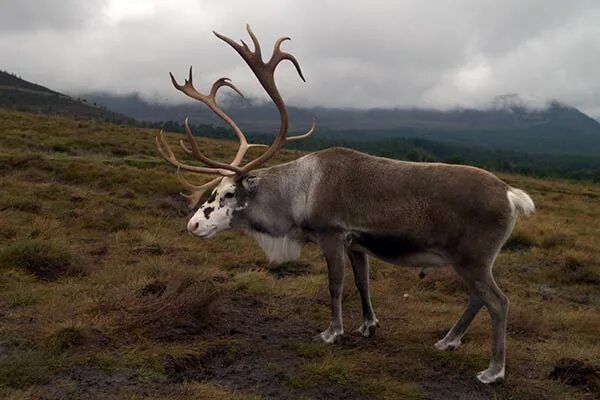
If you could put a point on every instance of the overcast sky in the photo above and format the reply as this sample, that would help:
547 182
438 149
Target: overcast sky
353 53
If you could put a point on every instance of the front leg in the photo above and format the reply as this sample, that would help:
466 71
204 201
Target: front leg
335 255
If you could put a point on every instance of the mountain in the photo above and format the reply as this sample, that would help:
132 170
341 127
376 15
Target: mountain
508 124
552 141
21 95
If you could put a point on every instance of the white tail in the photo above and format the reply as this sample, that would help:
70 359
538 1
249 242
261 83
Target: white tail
520 201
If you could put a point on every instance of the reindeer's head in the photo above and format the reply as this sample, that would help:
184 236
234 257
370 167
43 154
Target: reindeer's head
224 208
234 185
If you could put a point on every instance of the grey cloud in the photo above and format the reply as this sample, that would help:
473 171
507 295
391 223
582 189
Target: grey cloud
32 15
353 53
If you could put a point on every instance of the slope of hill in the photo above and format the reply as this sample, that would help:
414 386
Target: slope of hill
21 95
507 125
104 294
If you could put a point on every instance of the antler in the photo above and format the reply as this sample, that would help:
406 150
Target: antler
265 74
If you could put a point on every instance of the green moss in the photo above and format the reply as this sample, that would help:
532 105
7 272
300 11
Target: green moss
43 258
330 369
23 369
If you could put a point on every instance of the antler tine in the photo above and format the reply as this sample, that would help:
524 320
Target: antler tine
188 87
210 100
265 74
195 151
250 145
244 51
220 83
184 147
304 135
278 56
187 184
167 153
255 41
197 190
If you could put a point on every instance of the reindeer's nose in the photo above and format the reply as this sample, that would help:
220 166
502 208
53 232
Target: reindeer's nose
192 226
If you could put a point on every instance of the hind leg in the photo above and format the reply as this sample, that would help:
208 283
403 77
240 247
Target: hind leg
482 284
497 304
452 340
360 267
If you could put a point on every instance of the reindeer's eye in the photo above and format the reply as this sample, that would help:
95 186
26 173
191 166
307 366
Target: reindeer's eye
228 195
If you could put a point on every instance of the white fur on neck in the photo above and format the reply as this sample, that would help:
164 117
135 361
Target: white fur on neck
278 249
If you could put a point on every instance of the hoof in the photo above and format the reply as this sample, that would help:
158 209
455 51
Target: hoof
448 344
487 376
367 329
329 336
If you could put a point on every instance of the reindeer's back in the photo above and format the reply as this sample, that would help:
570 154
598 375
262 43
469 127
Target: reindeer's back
360 191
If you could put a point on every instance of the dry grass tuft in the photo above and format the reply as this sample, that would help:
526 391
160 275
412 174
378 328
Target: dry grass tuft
171 206
170 310
110 218
75 336
46 259
526 323
198 368
576 267
18 203
25 368
7 230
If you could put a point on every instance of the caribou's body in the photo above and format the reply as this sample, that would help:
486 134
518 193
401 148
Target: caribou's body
353 206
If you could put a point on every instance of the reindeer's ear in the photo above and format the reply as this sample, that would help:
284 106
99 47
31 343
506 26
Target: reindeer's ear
249 182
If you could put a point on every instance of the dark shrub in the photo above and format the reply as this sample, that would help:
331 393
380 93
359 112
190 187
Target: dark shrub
577 373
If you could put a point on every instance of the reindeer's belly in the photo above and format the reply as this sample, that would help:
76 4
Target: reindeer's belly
397 249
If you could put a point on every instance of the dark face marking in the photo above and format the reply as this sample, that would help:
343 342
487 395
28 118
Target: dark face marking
207 211
212 197
224 198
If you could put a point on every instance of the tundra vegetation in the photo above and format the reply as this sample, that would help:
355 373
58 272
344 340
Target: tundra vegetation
104 294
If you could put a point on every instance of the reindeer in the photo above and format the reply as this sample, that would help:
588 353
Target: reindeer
354 206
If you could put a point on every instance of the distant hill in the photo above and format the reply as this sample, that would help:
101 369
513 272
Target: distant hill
508 124
556 140
21 95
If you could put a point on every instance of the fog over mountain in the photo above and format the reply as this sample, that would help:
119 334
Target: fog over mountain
506 123
404 54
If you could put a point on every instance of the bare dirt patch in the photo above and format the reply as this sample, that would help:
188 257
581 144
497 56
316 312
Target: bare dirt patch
89 383
265 364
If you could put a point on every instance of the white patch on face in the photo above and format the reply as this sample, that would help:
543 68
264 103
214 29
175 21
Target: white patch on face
216 213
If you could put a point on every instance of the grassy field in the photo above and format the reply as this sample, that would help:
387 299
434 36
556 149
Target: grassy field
104 295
